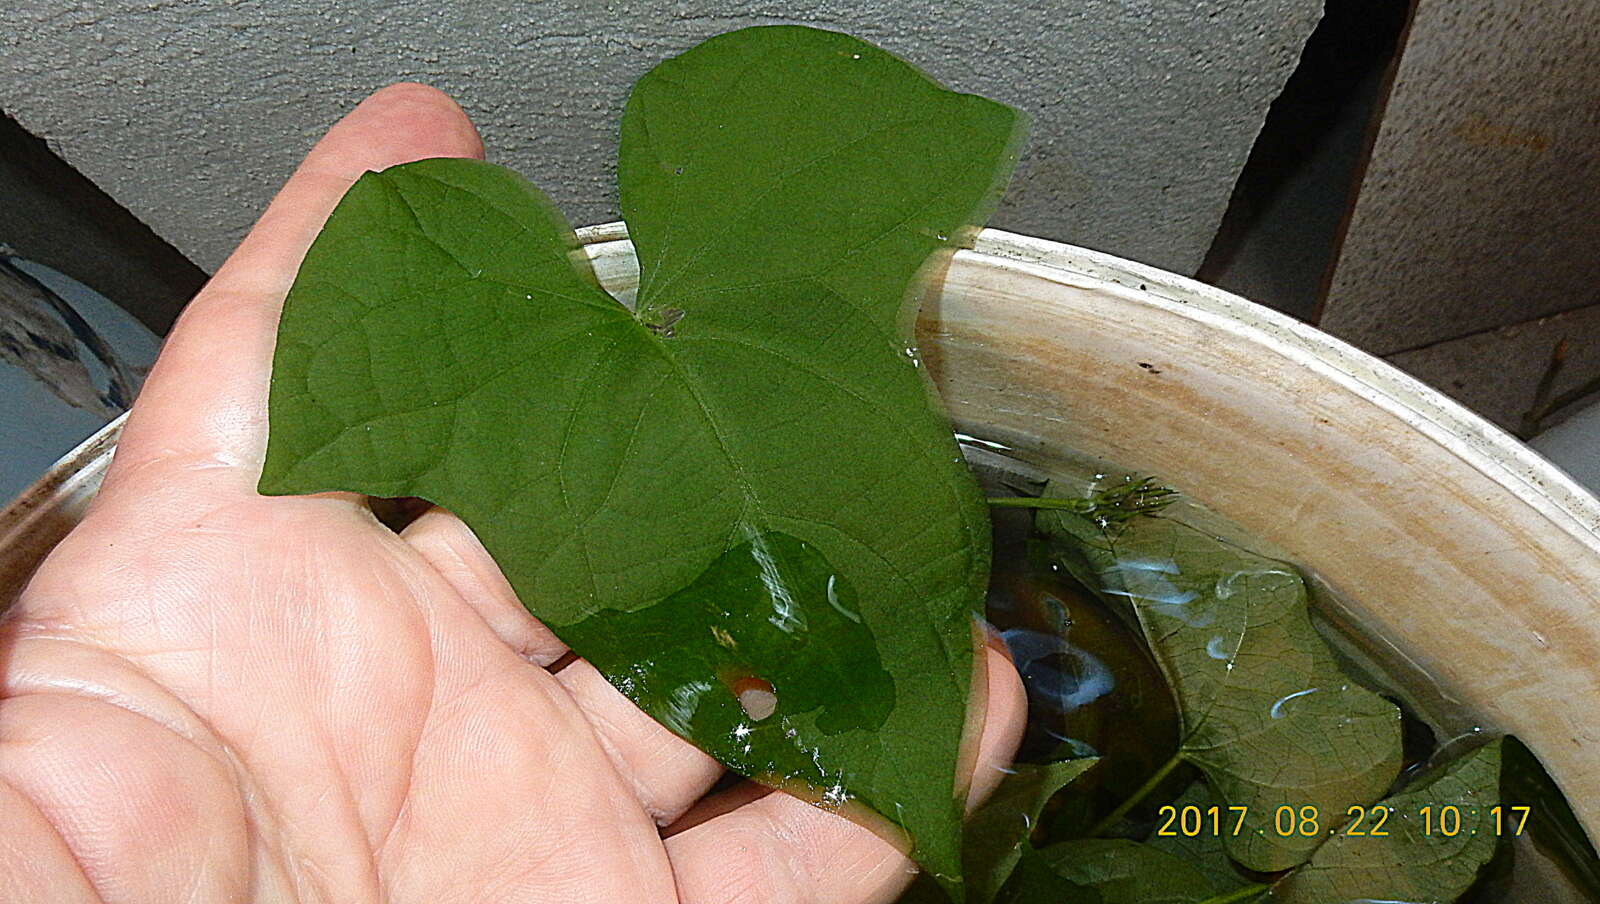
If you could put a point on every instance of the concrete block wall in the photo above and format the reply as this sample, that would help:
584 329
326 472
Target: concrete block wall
1469 251
192 113
1473 247
1480 200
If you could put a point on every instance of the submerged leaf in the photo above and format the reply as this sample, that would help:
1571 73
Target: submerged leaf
1111 871
1268 717
998 831
1429 844
1440 833
785 187
1204 850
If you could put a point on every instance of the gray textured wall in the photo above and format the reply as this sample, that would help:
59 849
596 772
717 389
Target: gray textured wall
1479 205
52 215
192 113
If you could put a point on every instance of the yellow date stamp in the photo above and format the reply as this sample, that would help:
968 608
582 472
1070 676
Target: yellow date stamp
1447 820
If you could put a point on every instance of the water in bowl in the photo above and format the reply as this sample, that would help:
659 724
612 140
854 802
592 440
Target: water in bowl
1094 688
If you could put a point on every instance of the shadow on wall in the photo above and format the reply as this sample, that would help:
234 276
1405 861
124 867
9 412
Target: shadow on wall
52 214
1281 232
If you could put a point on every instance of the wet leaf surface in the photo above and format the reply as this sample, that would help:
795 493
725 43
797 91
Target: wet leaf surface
786 189
769 616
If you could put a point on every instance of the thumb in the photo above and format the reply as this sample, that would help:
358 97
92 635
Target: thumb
199 427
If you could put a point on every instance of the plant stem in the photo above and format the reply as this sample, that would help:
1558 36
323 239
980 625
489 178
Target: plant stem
1109 507
1541 397
1133 800
1544 404
1041 502
1238 894
1572 395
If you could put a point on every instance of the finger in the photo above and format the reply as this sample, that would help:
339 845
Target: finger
710 807
35 863
1004 720
446 543
779 849
200 420
667 774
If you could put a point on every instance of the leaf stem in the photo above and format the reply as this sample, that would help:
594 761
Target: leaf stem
1133 800
1042 502
1238 894
1109 507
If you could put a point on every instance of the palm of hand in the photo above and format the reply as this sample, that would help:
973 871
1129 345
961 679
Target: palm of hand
209 695
321 714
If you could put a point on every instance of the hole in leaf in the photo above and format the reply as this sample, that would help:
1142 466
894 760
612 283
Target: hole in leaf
756 698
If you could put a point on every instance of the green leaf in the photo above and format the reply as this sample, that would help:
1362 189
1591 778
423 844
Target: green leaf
1034 882
760 423
773 601
1420 855
1268 717
998 830
1420 859
1206 850
1116 871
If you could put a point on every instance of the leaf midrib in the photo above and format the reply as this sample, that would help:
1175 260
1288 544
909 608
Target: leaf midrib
756 513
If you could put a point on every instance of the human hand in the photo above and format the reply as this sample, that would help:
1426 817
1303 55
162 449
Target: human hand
210 695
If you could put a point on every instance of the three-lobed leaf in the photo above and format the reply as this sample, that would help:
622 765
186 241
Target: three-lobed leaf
747 478
1268 716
